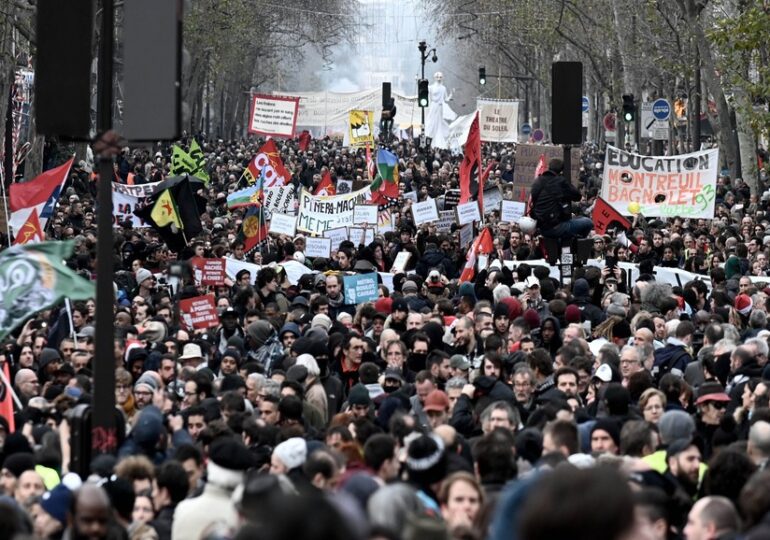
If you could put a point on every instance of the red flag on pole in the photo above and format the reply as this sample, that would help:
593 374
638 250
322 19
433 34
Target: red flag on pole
471 159
304 140
326 186
31 231
6 398
604 214
483 245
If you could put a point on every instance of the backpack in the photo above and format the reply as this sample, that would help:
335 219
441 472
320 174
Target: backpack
659 370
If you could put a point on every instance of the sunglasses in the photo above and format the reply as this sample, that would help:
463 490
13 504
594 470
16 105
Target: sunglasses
718 405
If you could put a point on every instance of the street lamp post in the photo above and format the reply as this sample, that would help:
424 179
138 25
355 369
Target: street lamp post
424 54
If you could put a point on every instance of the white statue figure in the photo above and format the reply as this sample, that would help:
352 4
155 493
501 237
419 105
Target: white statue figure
440 114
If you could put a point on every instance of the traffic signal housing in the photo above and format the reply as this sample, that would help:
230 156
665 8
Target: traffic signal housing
422 92
482 76
629 108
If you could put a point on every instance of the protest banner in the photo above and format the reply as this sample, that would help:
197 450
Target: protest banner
527 158
361 128
331 109
337 236
123 207
365 213
661 186
135 190
553 271
492 199
320 213
208 271
199 312
400 262
283 224
356 235
512 211
451 199
280 199
498 120
360 288
318 247
468 213
275 116
384 222
446 219
425 212
466 235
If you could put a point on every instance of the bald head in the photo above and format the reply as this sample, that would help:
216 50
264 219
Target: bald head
759 442
711 517
24 375
92 512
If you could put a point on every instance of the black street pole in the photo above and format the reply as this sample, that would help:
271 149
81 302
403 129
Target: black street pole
422 46
103 436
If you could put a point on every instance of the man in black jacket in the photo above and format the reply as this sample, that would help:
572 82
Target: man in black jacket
551 198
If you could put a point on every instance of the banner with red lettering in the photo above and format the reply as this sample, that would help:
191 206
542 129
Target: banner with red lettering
208 271
661 186
198 312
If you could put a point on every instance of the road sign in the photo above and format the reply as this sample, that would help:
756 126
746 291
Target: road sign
661 109
538 135
526 129
609 121
652 127
586 104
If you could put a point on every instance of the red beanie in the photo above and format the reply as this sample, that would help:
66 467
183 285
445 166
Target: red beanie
384 305
513 305
532 319
572 314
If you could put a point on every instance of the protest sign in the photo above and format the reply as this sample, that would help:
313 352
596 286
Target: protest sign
199 312
280 199
135 190
466 235
365 213
361 128
360 288
661 186
123 207
451 199
498 120
208 271
468 212
275 116
384 222
318 247
425 212
318 214
400 262
512 211
356 235
337 236
446 219
527 158
283 224
492 199
345 186
411 196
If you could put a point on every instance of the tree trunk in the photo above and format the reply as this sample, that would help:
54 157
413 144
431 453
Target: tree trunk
747 140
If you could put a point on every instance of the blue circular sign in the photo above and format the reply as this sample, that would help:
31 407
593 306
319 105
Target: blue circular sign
526 129
586 104
661 109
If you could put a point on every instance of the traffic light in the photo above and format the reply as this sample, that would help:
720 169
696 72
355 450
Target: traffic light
629 108
422 92
482 76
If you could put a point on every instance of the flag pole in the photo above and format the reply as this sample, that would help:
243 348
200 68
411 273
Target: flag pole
9 387
5 208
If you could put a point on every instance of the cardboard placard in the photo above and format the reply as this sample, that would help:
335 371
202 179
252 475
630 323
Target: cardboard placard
318 247
466 235
365 213
356 235
451 199
400 262
446 219
337 236
360 288
512 211
468 213
199 312
412 196
492 199
213 272
425 212
283 224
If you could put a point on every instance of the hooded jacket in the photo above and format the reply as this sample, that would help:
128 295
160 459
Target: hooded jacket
582 299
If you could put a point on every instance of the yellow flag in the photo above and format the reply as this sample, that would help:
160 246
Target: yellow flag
164 212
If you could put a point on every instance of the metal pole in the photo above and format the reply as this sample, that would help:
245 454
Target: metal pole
103 409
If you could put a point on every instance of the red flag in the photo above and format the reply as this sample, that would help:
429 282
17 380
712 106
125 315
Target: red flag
6 400
541 166
371 168
269 159
326 186
604 214
481 246
471 159
304 140
40 194
31 231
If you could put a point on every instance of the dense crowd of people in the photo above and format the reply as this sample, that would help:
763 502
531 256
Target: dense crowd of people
512 405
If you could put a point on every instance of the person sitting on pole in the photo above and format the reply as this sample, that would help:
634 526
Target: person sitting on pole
552 195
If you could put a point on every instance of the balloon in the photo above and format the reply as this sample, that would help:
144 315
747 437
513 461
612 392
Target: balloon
634 207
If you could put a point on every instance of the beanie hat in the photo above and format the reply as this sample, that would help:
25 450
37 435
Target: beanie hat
260 332
234 354
501 310
47 356
675 425
532 319
399 304
142 274
409 287
426 461
18 463
321 320
57 501
384 305
621 330
292 452
230 453
359 395
580 288
572 314
557 306
743 304
146 380
514 306
610 427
